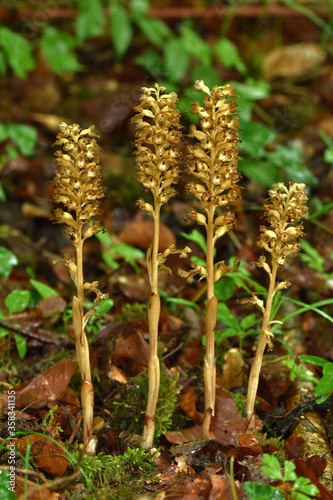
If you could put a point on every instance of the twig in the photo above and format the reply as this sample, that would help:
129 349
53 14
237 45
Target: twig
35 336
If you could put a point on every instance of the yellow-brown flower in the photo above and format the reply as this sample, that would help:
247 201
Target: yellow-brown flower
213 160
157 137
77 181
284 210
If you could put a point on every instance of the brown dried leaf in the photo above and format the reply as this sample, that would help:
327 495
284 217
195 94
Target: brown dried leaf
187 401
132 354
46 387
229 423
47 455
51 305
184 436
293 447
290 61
141 233
233 370
20 489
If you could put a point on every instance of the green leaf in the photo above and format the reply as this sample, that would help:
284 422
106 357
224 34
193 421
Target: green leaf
224 316
24 136
249 321
290 159
260 171
193 44
176 60
289 471
257 491
57 47
325 384
151 62
254 137
104 306
154 29
3 331
121 29
17 301
252 90
7 261
312 257
197 238
272 467
5 492
21 344
112 263
303 485
104 237
18 52
229 56
183 302
3 66
44 290
90 19
220 335
224 289
139 8
314 360
127 252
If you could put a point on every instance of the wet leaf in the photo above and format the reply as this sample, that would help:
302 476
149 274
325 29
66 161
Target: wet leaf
45 453
17 301
256 491
45 387
7 261
44 290
141 233
290 61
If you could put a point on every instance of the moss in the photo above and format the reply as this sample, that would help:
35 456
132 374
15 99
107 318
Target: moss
108 477
130 413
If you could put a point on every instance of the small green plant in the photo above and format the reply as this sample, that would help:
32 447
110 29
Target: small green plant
18 301
112 253
48 420
325 384
300 489
315 260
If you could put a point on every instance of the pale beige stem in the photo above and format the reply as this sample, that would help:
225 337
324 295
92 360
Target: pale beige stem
82 352
210 322
147 438
256 366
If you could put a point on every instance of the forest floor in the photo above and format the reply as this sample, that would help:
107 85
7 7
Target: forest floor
37 347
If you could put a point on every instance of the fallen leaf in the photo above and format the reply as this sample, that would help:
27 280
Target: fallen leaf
293 446
184 436
290 61
132 354
233 370
187 401
51 305
22 487
116 374
44 388
46 454
141 233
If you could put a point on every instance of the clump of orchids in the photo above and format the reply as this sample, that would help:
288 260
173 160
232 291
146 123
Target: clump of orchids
158 136
213 162
284 210
78 187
